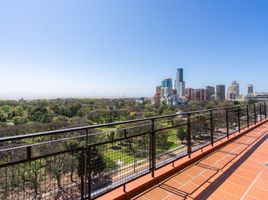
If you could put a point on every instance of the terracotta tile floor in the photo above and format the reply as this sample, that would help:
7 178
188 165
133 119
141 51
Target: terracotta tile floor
235 171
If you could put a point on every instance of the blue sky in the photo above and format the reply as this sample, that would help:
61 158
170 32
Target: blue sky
61 48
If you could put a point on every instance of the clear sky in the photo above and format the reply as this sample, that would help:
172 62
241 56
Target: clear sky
64 48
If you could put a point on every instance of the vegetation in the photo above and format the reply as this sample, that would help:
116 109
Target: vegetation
35 177
18 117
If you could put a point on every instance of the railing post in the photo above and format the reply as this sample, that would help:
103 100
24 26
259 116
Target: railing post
265 112
247 117
89 172
29 152
153 153
255 115
189 142
125 133
238 118
87 159
82 173
211 128
227 122
260 113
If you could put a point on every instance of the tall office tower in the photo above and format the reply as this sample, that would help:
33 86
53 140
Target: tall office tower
210 92
233 91
166 87
180 84
250 89
220 92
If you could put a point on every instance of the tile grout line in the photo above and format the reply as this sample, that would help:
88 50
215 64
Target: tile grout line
251 185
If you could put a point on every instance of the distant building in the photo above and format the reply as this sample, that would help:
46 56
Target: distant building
220 92
22 100
172 100
250 89
158 91
180 83
140 100
169 94
166 87
174 92
188 93
210 92
199 95
233 91
157 97
156 100
258 97
241 97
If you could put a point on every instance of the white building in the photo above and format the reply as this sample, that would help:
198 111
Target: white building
233 91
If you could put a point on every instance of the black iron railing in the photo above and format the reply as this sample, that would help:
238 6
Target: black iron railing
86 162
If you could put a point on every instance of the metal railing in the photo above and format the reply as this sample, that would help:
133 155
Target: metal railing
86 162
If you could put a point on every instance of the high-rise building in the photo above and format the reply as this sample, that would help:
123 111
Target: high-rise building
250 89
210 92
199 95
233 91
220 92
180 84
166 87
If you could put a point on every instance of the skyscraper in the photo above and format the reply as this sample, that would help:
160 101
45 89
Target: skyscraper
166 87
233 91
250 89
180 84
210 92
220 92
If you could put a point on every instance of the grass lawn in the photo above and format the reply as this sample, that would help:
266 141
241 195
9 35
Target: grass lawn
172 142
111 156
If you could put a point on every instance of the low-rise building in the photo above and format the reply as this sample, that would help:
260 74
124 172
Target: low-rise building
258 97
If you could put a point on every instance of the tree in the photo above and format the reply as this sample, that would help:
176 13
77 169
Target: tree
18 111
8 110
3 116
19 120
182 133
91 158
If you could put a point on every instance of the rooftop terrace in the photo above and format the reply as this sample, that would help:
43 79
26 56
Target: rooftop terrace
208 154
238 170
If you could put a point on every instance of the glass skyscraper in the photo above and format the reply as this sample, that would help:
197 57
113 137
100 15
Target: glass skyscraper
180 84
166 87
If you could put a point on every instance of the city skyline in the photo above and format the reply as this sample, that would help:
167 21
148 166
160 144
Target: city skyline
106 49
